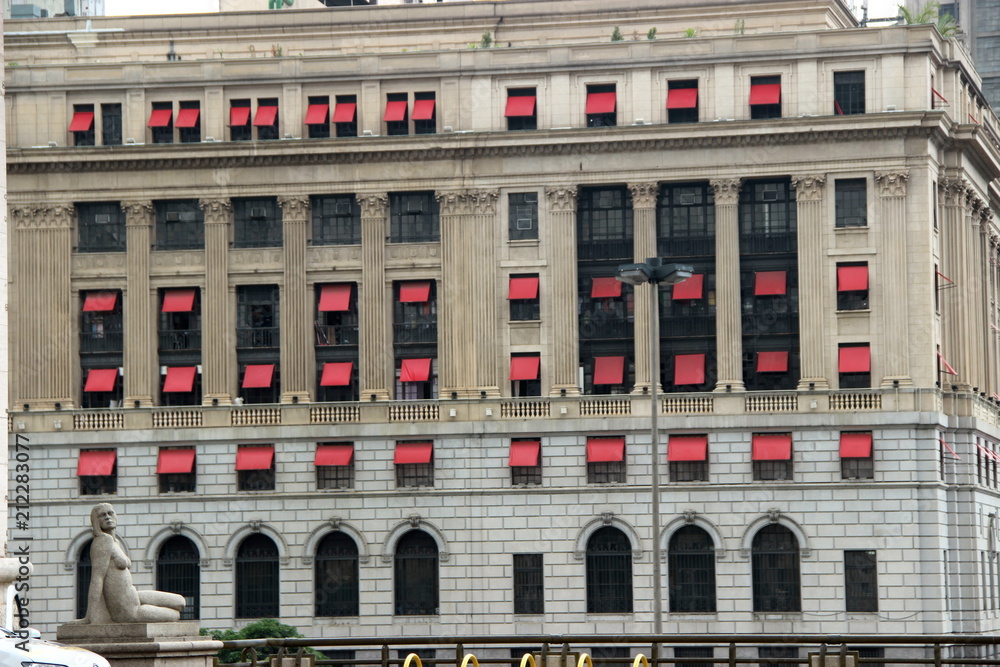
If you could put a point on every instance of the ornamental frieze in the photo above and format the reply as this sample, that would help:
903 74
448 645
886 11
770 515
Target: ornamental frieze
325 256
42 216
255 258
644 194
561 199
809 188
892 183
413 251
373 206
103 264
726 191
217 211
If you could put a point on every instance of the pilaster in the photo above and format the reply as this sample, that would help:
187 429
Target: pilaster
644 246
728 324
809 195
296 318
219 373
954 230
895 354
975 262
563 278
140 312
377 361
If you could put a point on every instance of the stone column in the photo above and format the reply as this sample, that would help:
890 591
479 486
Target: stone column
644 246
728 312
141 376
43 365
809 192
377 364
219 373
974 268
296 317
892 214
953 312
564 322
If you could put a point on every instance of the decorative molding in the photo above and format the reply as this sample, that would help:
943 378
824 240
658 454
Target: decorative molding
102 262
561 199
176 527
810 187
468 202
294 208
726 190
256 258
892 183
138 213
644 194
689 516
42 216
374 206
178 258
413 251
606 519
216 211
389 546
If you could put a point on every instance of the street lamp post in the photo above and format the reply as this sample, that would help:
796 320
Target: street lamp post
655 273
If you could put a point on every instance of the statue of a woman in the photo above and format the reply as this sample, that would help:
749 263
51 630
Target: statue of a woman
112 598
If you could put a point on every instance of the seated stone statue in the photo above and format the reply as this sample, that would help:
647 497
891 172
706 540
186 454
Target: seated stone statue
112 598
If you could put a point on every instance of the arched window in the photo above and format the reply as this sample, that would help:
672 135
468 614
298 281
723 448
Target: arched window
775 563
691 566
609 572
257 578
82 579
416 572
337 576
178 570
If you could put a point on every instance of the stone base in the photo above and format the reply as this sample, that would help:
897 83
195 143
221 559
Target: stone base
144 644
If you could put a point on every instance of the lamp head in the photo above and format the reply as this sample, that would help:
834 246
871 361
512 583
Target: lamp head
653 270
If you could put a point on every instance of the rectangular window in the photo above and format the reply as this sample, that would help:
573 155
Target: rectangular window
772 457
98 471
266 118
415 312
318 117
175 470
102 387
413 218
605 460
861 581
255 467
765 97
414 464
181 386
524 375
345 115
529 588
602 105
260 383
611 656
848 93
180 225
856 460
424 113
161 123
256 222
682 101
336 315
521 110
397 118
336 220
855 365
416 380
768 217
180 322
335 465
522 216
851 202
239 121
82 125
688 458
188 122
101 321
604 224
337 382
257 316
685 220
111 124
100 227
852 286
525 461
523 296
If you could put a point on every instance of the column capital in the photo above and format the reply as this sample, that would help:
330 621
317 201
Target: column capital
726 190
809 187
973 202
42 216
644 194
892 183
294 208
562 198
373 205
138 212
468 202
217 211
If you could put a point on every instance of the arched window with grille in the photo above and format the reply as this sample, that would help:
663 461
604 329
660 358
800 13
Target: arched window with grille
776 576
609 572
337 576
178 570
691 568
257 578
83 571
416 574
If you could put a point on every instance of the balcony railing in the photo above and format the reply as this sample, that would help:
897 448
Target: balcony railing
257 337
414 332
687 246
606 249
600 327
336 334
679 325
104 341
180 339
764 243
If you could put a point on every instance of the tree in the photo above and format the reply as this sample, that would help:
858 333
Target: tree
262 629
929 13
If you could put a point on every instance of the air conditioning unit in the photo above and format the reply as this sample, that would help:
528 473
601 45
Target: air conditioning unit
769 195
188 216
531 197
687 199
172 216
414 206
102 219
258 213
343 208
524 224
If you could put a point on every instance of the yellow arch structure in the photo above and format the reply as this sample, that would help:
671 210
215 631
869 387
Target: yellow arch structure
414 657
527 660
470 658
640 661
584 659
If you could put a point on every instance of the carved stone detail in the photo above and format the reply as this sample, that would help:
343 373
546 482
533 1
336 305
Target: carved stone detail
217 211
294 208
373 206
953 190
561 199
138 212
334 522
773 515
689 516
726 190
255 526
810 187
606 518
414 520
892 183
468 202
255 257
644 194
42 216
176 526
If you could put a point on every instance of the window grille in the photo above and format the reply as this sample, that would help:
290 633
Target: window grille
413 218
100 227
336 220
180 482
691 568
849 93
606 472
257 578
178 570
335 477
609 572
181 331
851 202
768 218
257 309
693 652
861 581
414 474
256 480
337 575
529 588
256 222
775 566
857 468
180 225
768 471
415 569
111 124
689 471
522 214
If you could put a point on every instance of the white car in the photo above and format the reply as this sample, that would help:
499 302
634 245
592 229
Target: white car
16 651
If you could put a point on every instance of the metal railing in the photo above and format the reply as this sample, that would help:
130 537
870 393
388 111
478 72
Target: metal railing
257 337
103 341
180 339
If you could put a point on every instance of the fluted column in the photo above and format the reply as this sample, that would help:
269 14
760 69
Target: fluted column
562 258
296 318
377 364
44 370
728 325
141 377
975 266
809 193
892 215
219 373
954 346
644 246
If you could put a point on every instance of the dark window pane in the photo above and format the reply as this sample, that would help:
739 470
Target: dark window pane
851 202
191 135
691 567
163 134
689 115
84 137
529 589
775 565
861 581
337 576
522 215
257 222
83 572
101 227
416 574
257 578
604 224
111 124
178 570
336 220
609 572
764 111
849 93
413 218
180 225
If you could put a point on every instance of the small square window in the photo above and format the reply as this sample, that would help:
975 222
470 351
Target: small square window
765 97
689 471
772 471
410 475
335 477
606 472
848 93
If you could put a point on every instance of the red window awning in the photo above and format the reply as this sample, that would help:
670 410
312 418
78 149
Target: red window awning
257 376
395 110
187 118
769 283
605 288
334 455
524 453
682 98
99 463
423 109
687 448
524 368
175 462
689 369
772 447
413 452
335 298
317 114
180 379
178 300
947 367
99 302
605 450
415 370
609 370
692 288
255 458
160 118
345 112
772 362
101 379
418 291
855 445
337 374
852 278
265 116
601 102
82 121
519 107
765 93
239 116
855 359
523 288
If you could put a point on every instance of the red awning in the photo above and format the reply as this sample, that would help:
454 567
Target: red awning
609 370
239 116
179 379
345 112
415 291
160 118
601 103
257 376
337 374
101 379
947 367
605 450
772 362
334 455
855 359
178 300
317 114
682 98
524 368
518 107
523 288
423 109
689 369
765 93
82 121
395 110
524 453
772 447
100 463
99 302
265 116
689 289
687 448
175 461
413 452
335 298
187 118
769 283
255 458
604 288
855 445
852 278
415 370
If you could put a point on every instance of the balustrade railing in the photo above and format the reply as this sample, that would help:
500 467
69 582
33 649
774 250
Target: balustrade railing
605 407
334 414
771 403
520 409
413 411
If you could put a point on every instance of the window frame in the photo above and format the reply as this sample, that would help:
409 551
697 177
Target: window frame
609 576
265 581
696 591
528 583
186 234
850 203
408 226
687 115
766 111
522 207
342 567
88 227
423 564
773 593
111 124
330 226
189 564
861 565
849 97
257 222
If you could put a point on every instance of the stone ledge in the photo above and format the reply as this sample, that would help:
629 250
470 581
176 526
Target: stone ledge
129 632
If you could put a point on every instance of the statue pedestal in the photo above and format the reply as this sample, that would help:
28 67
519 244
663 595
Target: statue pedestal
144 644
